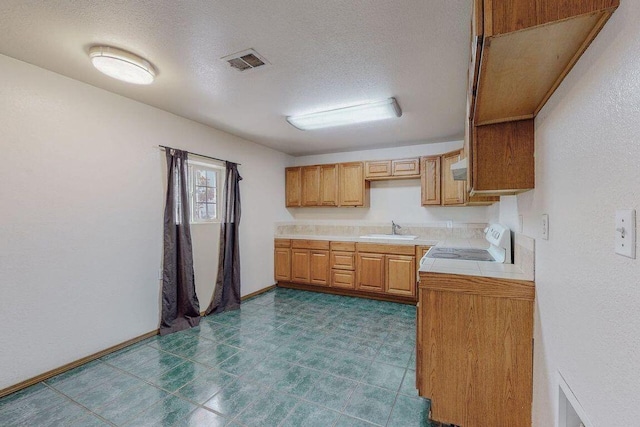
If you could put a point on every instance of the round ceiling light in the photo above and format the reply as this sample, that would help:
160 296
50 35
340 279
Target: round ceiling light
122 65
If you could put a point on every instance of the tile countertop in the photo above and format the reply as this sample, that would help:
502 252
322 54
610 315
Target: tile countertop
445 266
475 268
416 242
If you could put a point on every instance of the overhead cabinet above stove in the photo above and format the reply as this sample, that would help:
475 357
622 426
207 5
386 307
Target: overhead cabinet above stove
521 50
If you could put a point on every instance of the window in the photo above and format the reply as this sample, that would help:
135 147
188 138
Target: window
204 183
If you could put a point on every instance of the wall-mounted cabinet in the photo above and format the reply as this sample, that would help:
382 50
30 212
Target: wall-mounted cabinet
326 185
528 47
453 192
521 50
503 158
293 186
440 189
392 169
430 181
352 188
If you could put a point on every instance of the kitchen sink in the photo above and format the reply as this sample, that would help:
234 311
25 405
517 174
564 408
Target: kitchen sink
389 236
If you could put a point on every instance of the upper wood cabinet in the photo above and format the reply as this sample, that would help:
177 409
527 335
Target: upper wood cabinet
453 192
528 47
329 185
377 169
438 185
293 186
392 169
352 185
311 185
326 185
503 158
430 187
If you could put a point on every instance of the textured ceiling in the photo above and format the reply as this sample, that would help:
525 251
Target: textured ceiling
324 55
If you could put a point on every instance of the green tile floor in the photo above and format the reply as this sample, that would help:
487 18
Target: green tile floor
287 358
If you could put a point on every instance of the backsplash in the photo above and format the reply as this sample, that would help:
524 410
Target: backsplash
426 231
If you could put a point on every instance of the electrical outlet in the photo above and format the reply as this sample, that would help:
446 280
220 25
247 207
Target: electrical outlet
625 238
545 227
449 224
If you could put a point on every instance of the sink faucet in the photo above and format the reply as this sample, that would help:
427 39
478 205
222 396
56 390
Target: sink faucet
394 228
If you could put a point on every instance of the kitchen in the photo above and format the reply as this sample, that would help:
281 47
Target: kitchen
97 152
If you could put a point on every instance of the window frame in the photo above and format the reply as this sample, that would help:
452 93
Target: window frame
218 169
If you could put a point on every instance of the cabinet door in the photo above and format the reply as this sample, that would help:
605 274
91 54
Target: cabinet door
406 167
293 182
503 157
329 185
453 192
370 275
378 169
311 186
300 271
319 268
282 268
401 275
431 181
352 184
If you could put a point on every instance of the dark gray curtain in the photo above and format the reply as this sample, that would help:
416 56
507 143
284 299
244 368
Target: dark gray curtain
180 307
226 295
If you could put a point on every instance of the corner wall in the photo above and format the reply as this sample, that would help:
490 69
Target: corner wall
81 219
587 166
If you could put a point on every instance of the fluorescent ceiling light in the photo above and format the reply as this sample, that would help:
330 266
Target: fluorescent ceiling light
122 65
370 112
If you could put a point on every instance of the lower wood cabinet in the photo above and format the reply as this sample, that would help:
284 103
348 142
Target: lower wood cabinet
374 270
300 265
474 355
400 275
319 268
387 273
282 258
370 269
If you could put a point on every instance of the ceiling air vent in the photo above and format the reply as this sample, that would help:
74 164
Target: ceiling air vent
246 60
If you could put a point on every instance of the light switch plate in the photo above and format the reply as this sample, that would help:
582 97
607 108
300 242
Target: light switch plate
545 227
625 239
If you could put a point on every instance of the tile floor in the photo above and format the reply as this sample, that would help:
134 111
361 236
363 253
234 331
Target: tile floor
287 358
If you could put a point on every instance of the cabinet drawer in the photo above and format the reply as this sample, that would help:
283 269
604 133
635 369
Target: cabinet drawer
386 249
343 279
310 244
343 246
343 260
282 243
405 167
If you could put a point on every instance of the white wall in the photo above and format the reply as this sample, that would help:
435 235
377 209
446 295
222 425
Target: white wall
81 219
587 166
390 200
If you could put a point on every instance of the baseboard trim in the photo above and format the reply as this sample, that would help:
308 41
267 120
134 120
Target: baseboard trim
348 293
75 364
256 293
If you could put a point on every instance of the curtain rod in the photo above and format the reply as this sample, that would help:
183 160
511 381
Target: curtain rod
164 147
